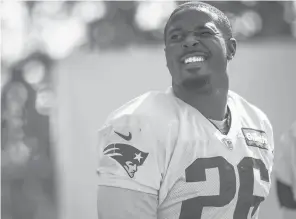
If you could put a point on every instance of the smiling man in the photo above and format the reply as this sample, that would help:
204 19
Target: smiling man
196 150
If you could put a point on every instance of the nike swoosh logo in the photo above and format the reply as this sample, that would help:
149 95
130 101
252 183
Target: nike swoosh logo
125 137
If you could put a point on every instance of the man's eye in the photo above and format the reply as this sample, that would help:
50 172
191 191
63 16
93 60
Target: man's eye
175 37
206 33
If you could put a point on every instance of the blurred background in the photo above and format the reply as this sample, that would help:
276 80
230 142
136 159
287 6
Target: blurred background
66 65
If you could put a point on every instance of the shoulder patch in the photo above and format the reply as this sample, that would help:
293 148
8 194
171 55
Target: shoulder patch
129 157
255 138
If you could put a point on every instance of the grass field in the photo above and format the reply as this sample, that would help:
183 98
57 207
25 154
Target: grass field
89 86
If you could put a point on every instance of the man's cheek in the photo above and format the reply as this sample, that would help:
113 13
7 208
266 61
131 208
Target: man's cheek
172 58
173 49
222 46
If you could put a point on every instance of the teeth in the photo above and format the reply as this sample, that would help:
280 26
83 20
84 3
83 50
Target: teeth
194 59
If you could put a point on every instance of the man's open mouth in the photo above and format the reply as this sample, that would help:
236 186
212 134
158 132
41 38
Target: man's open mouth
193 59
196 57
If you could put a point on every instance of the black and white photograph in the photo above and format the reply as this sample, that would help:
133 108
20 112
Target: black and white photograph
148 109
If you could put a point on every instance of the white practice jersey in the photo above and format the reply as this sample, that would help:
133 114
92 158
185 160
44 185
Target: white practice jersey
160 145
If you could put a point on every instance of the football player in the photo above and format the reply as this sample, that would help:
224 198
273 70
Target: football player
196 150
285 173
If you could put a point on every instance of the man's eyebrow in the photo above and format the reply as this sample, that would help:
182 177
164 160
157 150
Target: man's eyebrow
171 30
207 26
203 27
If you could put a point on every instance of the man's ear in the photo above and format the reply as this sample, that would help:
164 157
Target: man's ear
231 48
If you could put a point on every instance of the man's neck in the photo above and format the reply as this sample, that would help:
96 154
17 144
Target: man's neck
211 105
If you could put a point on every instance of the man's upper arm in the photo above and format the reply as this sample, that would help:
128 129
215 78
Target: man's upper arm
130 166
119 203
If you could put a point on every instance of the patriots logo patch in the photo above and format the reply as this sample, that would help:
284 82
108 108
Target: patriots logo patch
129 157
255 138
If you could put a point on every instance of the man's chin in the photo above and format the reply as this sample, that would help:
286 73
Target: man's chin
198 84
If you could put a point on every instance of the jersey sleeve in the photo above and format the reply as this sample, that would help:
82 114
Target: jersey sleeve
131 153
270 135
269 156
126 203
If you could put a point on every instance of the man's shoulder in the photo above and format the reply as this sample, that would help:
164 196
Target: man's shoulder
133 143
247 108
150 106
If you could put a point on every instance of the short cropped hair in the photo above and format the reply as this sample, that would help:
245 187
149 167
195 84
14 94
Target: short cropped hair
220 18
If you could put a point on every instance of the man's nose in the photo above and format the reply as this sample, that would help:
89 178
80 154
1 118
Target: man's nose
190 41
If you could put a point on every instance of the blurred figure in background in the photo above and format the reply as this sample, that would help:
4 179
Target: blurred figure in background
27 178
14 152
285 173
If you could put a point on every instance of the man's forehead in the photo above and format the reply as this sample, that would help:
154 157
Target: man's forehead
196 11
206 18
206 11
